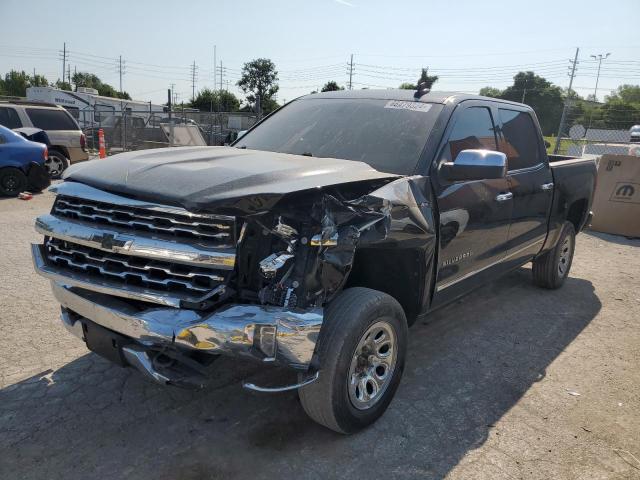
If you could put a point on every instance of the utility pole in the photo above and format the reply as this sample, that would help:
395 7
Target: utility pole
567 102
221 74
351 72
68 73
524 91
64 60
214 66
598 57
169 101
120 68
193 80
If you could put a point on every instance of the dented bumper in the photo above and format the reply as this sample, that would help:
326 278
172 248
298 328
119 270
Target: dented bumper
268 334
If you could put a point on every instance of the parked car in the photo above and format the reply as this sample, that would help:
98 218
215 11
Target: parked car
634 133
68 143
22 164
313 242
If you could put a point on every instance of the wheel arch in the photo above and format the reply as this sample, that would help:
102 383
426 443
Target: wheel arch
399 273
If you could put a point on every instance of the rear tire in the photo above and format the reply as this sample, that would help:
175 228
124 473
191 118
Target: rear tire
56 163
12 181
551 269
362 350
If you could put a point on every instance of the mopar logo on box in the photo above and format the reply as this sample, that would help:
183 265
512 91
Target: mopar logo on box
626 192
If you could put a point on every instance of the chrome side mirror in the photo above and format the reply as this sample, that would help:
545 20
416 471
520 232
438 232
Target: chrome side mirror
475 165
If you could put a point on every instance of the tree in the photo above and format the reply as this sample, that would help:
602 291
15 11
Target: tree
15 83
38 81
545 98
428 80
62 85
490 92
259 78
219 101
331 86
626 94
89 80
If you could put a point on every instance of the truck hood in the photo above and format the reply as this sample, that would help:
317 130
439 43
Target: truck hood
199 178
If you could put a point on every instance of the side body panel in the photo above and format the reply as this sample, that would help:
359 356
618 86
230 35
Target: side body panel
532 186
472 224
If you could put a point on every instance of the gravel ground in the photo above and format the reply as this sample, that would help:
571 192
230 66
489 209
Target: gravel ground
510 382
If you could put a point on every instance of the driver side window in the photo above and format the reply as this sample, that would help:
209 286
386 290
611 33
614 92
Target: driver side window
474 129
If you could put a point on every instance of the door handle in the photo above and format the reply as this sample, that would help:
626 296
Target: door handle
547 186
503 197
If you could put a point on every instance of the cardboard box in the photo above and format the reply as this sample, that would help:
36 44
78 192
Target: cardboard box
616 203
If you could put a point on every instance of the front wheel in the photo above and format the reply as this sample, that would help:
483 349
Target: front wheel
551 269
362 350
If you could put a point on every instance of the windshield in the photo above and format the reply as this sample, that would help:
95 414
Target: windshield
387 134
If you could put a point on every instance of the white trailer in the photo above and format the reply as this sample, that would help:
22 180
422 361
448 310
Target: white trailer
89 108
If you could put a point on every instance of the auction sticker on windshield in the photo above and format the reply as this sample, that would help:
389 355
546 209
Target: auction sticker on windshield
414 106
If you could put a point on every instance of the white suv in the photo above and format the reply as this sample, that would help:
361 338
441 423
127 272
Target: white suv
68 143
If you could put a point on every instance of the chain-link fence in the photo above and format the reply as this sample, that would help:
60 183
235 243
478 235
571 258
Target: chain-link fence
599 130
144 129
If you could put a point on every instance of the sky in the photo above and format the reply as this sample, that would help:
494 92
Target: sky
468 44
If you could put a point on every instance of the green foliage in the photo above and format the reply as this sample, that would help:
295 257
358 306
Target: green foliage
15 83
626 94
620 111
216 101
260 78
428 80
38 81
63 85
490 92
331 86
89 80
545 98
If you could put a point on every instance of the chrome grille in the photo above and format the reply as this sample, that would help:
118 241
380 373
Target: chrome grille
135 271
212 230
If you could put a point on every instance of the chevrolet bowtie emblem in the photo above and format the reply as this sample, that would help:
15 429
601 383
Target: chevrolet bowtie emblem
109 241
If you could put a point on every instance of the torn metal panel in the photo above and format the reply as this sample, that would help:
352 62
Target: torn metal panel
318 235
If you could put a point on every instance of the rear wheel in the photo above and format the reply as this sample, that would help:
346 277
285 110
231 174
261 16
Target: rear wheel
56 163
362 350
12 181
551 269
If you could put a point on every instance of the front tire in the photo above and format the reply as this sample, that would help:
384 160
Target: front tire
56 163
551 269
12 181
362 349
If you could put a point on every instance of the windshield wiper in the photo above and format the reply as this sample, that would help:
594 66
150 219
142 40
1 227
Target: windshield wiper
307 154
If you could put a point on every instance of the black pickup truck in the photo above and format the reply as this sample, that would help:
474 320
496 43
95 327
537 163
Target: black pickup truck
313 242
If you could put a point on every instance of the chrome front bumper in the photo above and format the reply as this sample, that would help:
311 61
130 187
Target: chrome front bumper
269 334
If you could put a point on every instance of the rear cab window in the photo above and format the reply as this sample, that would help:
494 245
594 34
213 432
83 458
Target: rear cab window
50 119
519 140
9 118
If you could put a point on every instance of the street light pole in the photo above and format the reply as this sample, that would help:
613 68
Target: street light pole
598 57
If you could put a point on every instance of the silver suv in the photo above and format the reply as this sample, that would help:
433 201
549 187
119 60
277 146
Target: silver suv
68 143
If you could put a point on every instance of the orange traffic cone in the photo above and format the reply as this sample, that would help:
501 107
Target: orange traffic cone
101 145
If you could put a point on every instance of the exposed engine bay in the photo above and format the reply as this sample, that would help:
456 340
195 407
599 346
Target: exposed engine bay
299 254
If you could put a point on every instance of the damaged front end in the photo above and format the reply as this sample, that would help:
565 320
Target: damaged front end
160 288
